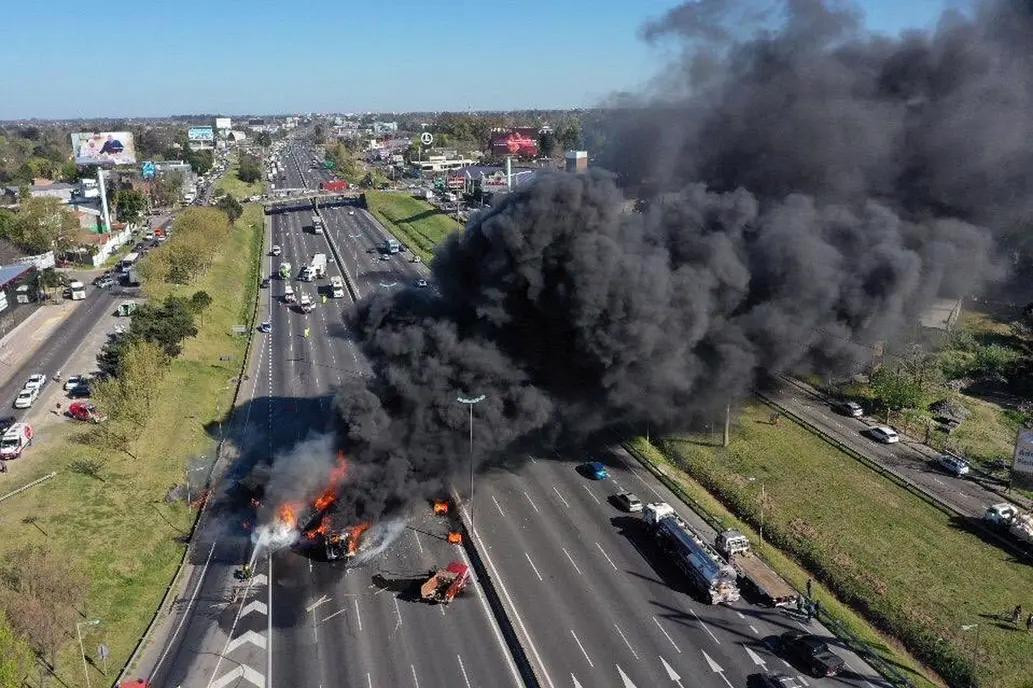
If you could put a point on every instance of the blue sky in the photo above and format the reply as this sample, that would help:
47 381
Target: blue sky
74 59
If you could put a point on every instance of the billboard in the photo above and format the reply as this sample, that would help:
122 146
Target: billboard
148 170
1022 465
223 123
201 134
103 148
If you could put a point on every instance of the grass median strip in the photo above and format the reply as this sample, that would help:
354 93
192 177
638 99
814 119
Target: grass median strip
416 223
106 510
231 184
915 572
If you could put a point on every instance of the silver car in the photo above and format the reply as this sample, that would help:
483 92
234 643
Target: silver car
954 465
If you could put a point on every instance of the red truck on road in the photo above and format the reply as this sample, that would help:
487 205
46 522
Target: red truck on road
334 185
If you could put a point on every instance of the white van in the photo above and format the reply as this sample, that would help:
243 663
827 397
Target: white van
337 287
77 290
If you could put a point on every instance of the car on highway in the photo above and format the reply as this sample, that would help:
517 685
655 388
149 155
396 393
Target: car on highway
595 470
80 391
848 408
105 282
276 250
36 381
769 680
954 465
25 398
265 282
810 653
266 326
415 259
884 434
420 283
385 256
628 501
351 212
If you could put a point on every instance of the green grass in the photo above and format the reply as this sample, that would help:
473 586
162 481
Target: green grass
119 529
887 647
898 560
231 184
416 223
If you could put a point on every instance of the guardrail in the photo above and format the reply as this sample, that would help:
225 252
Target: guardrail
839 629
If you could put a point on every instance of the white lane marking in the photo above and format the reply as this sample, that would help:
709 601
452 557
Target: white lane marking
587 658
254 606
754 629
497 506
342 610
624 638
560 496
398 613
369 680
671 673
531 501
669 638
625 679
322 600
241 671
571 560
705 627
577 684
416 537
255 639
606 555
591 495
803 681
269 618
233 628
358 616
716 668
466 679
529 561
186 612
740 615
415 681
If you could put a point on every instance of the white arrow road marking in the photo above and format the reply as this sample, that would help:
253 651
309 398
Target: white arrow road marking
259 579
624 678
254 606
247 637
241 671
322 600
577 684
671 673
757 659
716 668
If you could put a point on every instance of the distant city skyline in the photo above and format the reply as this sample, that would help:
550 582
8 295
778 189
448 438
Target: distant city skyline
159 60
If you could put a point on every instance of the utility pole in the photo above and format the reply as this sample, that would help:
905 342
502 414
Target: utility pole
82 650
728 423
470 403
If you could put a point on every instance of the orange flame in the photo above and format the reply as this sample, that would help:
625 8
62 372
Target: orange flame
355 538
455 538
337 476
440 507
321 530
288 515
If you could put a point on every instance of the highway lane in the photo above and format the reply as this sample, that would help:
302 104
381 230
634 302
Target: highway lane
355 630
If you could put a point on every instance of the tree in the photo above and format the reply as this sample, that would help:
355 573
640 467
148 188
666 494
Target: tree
263 138
200 161
547 143
249 169
200 301
166 188
129 394
166 324
130 205
570 135
15 656
41 593
895 390
45 224
231 206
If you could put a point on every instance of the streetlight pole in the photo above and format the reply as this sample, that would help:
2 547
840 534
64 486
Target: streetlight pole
470 403
82 650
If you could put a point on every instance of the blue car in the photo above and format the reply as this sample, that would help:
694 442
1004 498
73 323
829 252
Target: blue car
595 470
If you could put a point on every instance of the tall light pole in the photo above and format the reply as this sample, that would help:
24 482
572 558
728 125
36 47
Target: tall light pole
82 650
470 403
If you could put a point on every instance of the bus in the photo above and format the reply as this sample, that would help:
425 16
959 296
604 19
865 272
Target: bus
129 261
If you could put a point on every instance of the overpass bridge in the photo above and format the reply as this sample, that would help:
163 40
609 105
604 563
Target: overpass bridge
311 199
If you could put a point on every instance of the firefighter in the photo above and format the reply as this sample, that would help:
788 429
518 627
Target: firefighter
307 332
245 571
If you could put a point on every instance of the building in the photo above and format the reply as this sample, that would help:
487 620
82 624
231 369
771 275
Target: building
42 188
577 161
440 163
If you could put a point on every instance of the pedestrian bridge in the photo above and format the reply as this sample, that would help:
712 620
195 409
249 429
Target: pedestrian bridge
310 200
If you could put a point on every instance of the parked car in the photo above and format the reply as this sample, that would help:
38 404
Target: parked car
15 438
265 282
86 412
80 391
36 381
421 283
595 470
25 398
628 501
74 381
955 465
811 653
884 434
848 408
105 283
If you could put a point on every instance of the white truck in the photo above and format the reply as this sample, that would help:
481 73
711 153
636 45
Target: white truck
305 303
317 224
76 290
14 440
316 269
1008 517
769 586
711 575
337 287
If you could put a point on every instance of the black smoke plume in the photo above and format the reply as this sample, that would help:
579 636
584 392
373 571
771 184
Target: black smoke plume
812 187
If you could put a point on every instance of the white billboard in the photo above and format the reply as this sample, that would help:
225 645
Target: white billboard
103 148
223 123
201 134
1022 465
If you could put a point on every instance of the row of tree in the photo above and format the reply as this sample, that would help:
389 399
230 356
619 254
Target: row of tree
197 235
249 168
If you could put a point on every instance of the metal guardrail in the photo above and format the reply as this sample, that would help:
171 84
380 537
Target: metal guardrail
839 629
